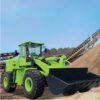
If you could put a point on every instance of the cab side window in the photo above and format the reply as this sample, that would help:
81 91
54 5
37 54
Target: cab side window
22 51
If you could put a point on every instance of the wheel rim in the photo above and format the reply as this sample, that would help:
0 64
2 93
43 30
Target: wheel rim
28 84
5 82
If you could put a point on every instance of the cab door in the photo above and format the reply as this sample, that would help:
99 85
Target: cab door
22 58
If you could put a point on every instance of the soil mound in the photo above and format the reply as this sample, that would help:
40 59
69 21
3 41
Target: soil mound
90 59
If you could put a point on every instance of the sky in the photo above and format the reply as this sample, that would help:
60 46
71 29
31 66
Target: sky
57 23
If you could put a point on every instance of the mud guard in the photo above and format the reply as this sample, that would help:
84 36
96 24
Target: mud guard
71 79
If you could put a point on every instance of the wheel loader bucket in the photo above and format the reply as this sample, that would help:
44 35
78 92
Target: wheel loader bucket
71 79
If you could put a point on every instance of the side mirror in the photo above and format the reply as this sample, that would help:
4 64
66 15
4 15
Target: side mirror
45 50
16 53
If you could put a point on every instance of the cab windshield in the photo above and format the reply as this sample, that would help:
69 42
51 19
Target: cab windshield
35 50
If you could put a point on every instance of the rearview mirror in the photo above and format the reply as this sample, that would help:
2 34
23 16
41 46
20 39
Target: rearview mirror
16 53
45 50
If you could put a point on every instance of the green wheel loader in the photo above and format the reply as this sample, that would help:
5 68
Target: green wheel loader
34 72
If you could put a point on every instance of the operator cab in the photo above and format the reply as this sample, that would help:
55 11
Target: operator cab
31 49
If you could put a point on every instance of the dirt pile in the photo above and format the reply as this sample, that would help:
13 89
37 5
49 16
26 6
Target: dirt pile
90 59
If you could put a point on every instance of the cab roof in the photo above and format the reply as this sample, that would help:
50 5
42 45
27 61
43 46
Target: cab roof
31 43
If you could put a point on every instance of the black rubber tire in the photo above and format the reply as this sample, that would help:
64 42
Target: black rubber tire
68 93
84 90
38 84
11 87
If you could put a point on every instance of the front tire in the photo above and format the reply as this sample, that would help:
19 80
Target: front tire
7 83
68 93
34 84
84 90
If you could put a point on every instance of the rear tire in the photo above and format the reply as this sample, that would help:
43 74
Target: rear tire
34 84
7 83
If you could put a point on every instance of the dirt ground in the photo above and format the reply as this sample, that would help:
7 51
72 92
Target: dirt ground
93 94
